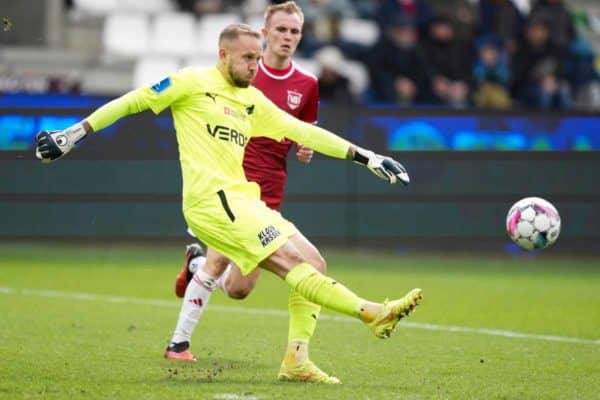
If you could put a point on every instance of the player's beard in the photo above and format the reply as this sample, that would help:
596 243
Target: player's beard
237 79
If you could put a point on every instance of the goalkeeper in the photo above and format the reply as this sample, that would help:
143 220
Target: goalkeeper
215 112
296 92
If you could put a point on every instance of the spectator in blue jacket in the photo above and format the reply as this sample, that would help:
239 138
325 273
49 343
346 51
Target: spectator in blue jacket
491 74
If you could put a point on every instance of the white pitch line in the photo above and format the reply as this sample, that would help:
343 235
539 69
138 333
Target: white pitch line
233 396
284 313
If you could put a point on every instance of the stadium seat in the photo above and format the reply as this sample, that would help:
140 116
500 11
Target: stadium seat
523 5
255 21
354 71
308 65
255 7
107 81
362 31
200 61
150 70
358 76
173 34
208 29
593 16
147 6
95 7
126 34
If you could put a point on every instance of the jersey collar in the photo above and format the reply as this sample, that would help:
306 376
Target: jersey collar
270 74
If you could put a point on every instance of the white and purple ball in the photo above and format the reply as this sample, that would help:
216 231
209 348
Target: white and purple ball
533 223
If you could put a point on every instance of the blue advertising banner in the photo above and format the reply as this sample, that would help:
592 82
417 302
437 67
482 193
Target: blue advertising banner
486 132
386 129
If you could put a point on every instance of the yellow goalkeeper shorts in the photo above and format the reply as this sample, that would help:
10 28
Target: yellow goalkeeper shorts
238 224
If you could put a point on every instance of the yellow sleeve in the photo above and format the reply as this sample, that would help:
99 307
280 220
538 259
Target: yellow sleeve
130 103
168 91
157 97
272 122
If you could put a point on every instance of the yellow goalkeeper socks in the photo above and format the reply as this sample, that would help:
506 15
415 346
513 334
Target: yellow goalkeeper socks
303 317
320 289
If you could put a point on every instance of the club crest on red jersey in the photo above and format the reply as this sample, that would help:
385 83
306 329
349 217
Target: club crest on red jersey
293 99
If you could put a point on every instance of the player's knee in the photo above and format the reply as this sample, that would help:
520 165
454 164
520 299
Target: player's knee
292 257
238 293
320 264
241 289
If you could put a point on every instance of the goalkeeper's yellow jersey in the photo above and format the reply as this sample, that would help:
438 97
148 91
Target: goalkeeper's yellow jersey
214 121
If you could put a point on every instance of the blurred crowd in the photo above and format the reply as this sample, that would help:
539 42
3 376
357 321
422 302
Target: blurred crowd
457 53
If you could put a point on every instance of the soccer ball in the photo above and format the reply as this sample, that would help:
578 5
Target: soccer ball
533 223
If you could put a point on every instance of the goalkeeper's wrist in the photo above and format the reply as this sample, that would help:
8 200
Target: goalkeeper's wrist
361 156
77 132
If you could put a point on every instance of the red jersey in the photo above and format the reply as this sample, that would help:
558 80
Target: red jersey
296 92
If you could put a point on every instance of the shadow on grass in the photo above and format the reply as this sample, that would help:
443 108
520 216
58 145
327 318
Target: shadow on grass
227 372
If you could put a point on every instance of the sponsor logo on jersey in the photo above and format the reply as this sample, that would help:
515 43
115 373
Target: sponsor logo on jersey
227 134
268 234
235 113
294 99
232 112
162 85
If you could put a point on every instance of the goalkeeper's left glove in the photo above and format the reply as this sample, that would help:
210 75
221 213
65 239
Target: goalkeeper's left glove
52 145
386 168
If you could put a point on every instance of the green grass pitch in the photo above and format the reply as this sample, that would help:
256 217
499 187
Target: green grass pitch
92 321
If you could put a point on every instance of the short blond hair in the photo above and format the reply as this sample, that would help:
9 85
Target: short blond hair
234 31
289 7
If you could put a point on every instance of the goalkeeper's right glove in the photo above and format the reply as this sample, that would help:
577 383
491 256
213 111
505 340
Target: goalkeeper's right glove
52 145
385 168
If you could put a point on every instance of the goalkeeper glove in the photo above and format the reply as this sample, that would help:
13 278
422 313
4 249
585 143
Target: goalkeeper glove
52 145
385 168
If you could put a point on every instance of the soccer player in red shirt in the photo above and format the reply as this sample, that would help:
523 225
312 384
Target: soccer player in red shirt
296 92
